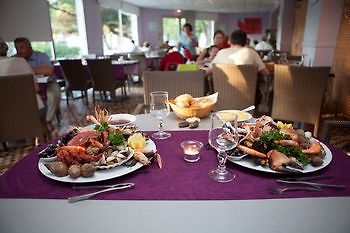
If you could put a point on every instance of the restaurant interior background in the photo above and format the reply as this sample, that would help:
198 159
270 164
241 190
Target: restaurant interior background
79 28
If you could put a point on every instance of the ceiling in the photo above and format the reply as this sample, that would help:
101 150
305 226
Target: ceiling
223 6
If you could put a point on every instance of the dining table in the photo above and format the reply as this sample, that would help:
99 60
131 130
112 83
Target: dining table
179 197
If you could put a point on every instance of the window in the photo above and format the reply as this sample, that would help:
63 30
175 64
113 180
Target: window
117 36
172 29
205 32
64 29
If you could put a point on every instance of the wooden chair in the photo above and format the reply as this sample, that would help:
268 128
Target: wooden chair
75 77
101 71
175 83
298 93
142 65
20 117
236 85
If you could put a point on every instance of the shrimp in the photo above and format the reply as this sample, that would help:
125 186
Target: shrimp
287 142
251 151
141 157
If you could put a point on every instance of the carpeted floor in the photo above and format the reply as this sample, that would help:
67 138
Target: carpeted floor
74 115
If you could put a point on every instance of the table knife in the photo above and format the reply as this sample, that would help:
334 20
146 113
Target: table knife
103 186
308 178
89 195
334 186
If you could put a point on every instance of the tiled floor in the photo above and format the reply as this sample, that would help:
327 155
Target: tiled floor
74 115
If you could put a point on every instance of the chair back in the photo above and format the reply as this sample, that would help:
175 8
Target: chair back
74 74
175 83
236 85
298 93
142 59
101 72
19 118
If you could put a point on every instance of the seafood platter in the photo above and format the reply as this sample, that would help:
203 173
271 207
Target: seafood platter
278 148
99 152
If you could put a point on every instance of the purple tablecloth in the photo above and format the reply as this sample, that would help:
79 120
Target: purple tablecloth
178 180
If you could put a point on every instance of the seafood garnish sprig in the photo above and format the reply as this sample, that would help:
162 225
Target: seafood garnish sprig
279 145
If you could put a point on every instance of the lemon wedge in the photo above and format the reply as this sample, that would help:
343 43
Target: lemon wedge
282 125
137 141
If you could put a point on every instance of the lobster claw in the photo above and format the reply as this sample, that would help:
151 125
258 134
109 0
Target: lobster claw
279 162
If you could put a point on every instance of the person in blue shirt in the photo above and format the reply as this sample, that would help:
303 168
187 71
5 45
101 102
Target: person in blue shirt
41 65
188 40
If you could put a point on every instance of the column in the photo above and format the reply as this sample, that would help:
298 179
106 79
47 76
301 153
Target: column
285 25
321 31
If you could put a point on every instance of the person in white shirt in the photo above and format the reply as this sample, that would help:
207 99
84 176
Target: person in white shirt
238 54
263 45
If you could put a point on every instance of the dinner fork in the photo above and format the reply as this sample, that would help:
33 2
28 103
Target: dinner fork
295 188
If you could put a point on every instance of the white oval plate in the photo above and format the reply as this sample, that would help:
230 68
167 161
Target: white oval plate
117 117
99 175
249 163
242 116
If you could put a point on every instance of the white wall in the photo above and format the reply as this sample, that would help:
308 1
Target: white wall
25 18
321 31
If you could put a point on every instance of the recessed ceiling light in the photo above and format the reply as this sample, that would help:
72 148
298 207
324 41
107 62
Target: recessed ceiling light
178 11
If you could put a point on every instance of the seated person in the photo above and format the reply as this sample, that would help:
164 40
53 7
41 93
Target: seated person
239 54
146 47
213 50
171 60
263 45
3 48
41 65
219 40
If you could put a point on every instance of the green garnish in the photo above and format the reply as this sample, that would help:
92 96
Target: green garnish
272 135
291 151
116 138
101 127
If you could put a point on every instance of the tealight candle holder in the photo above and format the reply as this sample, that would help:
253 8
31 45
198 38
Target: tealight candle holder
191 150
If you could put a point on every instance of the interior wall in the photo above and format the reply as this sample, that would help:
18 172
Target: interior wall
151 22
30 19
341 64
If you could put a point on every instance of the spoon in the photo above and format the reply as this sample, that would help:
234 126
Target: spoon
236 158
248 109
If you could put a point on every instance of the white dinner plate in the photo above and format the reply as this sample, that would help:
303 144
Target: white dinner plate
242 116
122 119
249 163
99 175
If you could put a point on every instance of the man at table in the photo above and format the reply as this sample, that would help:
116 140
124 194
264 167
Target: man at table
41 65
239 54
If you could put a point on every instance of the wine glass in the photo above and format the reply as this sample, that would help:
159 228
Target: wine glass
223 136
159 108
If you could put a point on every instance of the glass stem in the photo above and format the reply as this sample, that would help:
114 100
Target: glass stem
222 160
160 126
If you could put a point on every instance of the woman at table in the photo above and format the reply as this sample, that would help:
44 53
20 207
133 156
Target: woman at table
219 40
188 40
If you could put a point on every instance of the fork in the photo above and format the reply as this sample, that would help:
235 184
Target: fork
295 188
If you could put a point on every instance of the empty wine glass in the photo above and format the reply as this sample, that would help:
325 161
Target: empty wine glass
159 108
223 136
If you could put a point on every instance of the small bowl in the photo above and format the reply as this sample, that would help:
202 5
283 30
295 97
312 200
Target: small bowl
191 150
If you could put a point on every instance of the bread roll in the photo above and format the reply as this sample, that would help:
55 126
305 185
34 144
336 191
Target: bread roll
183 104
184 98
201 103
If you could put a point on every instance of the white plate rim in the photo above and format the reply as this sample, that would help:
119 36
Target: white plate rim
233 110
248 163
100 175
126 116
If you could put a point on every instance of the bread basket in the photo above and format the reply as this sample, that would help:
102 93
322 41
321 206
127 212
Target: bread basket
184 113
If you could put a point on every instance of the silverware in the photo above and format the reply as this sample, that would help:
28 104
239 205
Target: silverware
102 186
308 178
296 188
89 195
334 186
249 108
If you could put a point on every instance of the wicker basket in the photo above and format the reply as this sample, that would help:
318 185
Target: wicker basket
184 113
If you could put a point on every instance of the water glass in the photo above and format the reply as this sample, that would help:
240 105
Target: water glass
159 108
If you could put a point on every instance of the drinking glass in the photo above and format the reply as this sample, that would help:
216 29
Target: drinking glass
159 108
223 136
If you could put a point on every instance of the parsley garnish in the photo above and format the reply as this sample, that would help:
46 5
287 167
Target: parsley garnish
116 138
101 127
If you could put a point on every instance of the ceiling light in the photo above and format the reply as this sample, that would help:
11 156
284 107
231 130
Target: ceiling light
178 11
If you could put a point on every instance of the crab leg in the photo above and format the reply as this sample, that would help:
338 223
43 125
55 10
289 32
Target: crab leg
251 151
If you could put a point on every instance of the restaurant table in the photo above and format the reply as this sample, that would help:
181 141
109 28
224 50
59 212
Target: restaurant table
274 214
